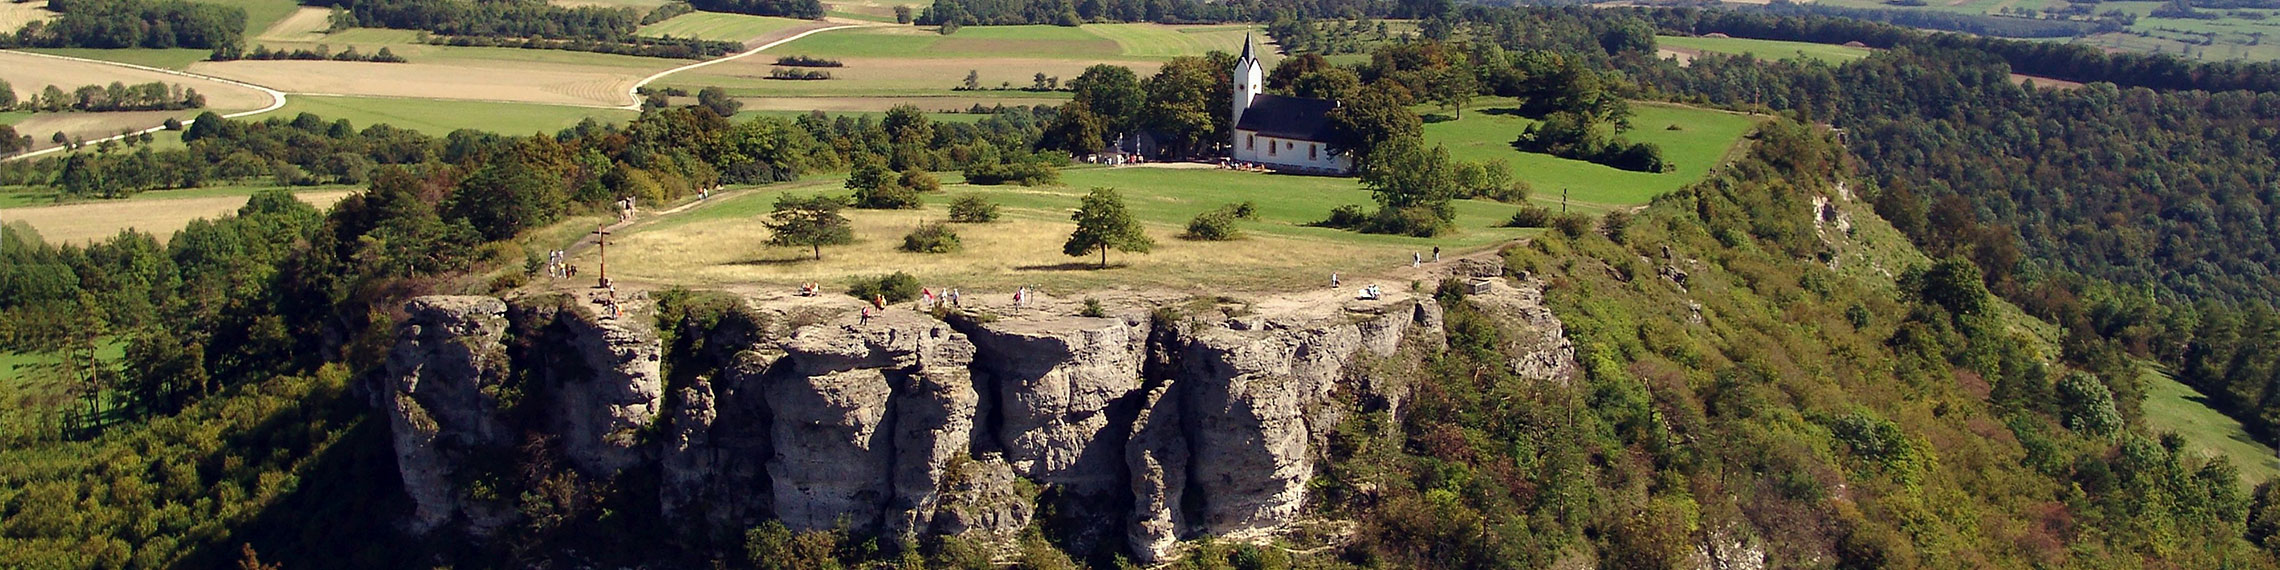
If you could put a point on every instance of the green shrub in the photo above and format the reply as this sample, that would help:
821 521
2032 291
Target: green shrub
896 288
973 209
1215 225
1530 217
1415 221
1093 308
888 196
1345 217
1572 224
931 238
1247 210
1023 173
920 181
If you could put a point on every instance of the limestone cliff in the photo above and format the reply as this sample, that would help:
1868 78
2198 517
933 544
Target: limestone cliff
1150 428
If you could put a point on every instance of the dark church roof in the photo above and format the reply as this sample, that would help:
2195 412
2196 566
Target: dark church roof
1288 117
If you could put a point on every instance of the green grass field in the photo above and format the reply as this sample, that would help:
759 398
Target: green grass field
22 196
1702 141
970 42
13 117
259 14
1767 49
718 26
1156 40
173 58
2174 407
874 115
440 117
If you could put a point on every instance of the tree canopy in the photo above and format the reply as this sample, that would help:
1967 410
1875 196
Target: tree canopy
1104 224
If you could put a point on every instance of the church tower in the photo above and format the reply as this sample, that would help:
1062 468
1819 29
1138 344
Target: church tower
1250 81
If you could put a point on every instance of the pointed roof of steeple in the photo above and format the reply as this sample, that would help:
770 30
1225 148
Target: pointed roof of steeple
1246 47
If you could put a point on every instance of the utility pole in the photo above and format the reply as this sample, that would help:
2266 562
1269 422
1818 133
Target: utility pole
1563 199
604 240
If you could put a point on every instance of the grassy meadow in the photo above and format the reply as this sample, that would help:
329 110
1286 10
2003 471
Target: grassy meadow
721 243
2172 406
1702 140
1765 49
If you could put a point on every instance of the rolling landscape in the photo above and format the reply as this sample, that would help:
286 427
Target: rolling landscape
800 284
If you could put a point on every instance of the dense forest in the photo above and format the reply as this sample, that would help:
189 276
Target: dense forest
134 23
1749 374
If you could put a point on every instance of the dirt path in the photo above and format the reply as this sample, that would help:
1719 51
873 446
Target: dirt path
276 98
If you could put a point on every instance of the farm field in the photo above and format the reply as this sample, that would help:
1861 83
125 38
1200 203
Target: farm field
1763 49
14 15
155 212
2233 34
522 82
260 14
1703 139
438 118
877 105
719 26
903 62
721 243
2172 406
872 10
748 113
29 74
303 25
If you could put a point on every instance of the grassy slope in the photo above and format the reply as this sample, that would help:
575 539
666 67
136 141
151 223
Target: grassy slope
1702 141
13 117
1767 49
438 117
2174 407
717 26
972 41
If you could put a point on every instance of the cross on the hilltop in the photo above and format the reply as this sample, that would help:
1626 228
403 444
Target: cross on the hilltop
602 238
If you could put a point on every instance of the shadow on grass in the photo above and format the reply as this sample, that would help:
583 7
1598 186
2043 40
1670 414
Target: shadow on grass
1070 266
773 262
1507 111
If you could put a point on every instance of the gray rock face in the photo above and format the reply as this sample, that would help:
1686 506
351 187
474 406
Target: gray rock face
447 352
606 389
908 425
864 419
1242 416
1053 383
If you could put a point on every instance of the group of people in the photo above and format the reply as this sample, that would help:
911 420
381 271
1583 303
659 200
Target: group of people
928 300
558 265
1245 166
625 209
1115 159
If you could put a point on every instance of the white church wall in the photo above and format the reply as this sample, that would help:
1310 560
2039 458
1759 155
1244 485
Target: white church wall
1288 153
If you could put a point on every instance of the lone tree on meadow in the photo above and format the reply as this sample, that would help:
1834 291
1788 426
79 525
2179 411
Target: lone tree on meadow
812 221
1104 224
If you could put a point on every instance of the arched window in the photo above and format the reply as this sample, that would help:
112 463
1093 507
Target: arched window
1251 141
1313 151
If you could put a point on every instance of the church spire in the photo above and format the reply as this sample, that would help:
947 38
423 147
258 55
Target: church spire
1246 47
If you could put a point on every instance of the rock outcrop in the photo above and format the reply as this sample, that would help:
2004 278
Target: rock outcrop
1153 430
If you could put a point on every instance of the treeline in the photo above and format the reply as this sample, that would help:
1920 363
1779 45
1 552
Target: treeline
118 96
490 18
802 9
644 46
134 23
321 53
12 143
2070 62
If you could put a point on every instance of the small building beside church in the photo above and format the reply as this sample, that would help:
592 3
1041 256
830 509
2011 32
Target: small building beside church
1285 134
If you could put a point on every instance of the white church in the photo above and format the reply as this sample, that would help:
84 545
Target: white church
1284 134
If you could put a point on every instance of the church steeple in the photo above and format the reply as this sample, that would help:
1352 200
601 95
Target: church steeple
1250 80
1246 49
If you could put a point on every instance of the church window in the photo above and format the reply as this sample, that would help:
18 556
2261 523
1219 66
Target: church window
1313 151
1270 147
1251 142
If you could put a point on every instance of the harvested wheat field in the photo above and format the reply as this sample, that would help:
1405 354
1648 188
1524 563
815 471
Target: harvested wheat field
14 15
303 25
30 73
521 82
92 221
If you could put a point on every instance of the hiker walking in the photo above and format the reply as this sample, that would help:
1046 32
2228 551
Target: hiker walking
1333 280
1436 254
1416 259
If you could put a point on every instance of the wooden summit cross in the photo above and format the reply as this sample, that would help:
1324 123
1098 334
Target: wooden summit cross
602 238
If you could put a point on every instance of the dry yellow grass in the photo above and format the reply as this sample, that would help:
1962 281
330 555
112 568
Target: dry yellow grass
959 102
31 73
1024 248
522 82
91 221
90 126
303 25
14 15
863 76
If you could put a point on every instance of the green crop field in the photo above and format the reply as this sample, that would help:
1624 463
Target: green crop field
259 14
874 115
2174 407
1702 140
1157 40
13 117
970 42
440 117
1766 49
718 26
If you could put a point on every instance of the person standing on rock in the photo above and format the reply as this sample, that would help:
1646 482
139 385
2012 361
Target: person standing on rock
1333 280
1436 254
1416 259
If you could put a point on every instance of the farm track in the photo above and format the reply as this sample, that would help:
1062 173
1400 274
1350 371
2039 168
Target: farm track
276 99
635 98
